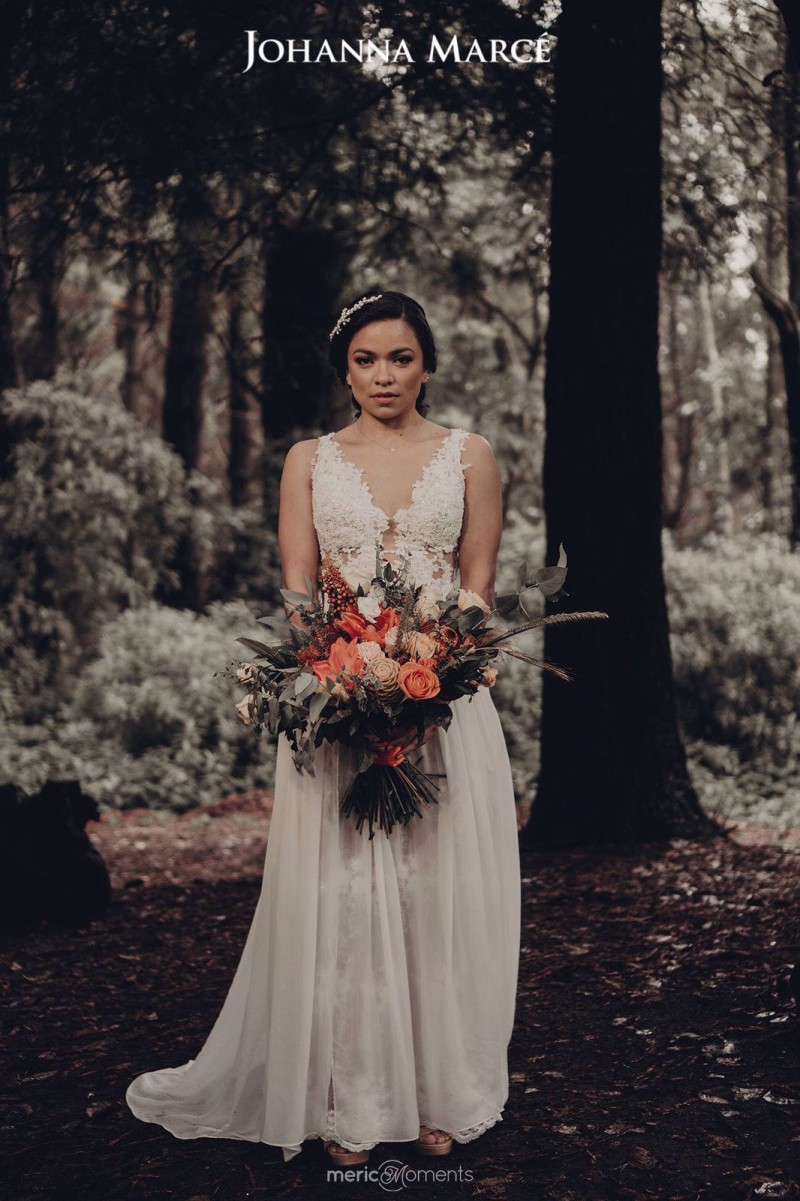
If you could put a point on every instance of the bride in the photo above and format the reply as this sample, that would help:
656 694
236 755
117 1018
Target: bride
374 1000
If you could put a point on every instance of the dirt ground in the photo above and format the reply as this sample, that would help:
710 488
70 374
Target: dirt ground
655 1051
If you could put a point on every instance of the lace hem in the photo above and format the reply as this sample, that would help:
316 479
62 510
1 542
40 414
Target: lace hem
332 1136
460 1136
471 1132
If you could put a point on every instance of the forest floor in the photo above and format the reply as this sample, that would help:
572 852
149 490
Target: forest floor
655 1050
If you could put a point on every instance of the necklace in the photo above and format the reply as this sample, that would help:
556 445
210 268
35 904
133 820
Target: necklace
375 440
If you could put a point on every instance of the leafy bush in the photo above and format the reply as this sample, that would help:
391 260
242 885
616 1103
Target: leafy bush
88 522
734 608
150 723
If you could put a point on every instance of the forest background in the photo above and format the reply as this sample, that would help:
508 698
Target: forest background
177 241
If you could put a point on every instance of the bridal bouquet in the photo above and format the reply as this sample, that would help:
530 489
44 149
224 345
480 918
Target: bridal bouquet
367 666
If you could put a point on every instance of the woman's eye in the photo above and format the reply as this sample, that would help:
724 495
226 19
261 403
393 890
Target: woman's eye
402 358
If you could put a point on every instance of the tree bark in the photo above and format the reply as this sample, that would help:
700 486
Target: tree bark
613 766
774 270
185 372
784 315
130 339
9 363
717 425
243 454
678 420
302 283
42 353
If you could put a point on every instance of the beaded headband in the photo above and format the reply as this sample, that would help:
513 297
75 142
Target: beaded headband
346 314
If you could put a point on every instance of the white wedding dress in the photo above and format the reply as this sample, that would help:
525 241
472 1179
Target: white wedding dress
376 990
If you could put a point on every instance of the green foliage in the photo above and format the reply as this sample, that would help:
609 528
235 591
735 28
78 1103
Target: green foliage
150 723
88 521
734 611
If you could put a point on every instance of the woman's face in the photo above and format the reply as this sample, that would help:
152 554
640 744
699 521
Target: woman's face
385 368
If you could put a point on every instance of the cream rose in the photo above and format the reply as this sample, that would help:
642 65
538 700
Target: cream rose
246 673
420 646
489 676
244 709
467 599
383 674
390 638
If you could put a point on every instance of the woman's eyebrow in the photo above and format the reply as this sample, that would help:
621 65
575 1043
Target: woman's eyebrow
363 350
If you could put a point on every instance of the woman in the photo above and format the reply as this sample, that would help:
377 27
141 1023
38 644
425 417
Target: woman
375 997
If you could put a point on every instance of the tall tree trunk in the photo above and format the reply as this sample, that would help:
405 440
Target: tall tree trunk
613 766
130 339
791 146
774 269
302 283
678 421
786 313
42 354
9 363
185 372
718 433
243 454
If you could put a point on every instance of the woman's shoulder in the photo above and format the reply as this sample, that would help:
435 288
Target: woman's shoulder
303 450
299 459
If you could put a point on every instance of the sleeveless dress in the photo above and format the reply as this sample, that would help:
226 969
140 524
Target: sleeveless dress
376 990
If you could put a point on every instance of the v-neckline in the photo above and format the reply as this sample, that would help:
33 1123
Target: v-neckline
365 483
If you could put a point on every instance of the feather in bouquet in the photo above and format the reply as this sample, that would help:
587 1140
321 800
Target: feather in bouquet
367 665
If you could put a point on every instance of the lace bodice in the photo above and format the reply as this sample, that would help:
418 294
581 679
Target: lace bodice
425 533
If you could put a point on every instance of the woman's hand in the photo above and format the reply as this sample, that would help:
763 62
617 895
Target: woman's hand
405 737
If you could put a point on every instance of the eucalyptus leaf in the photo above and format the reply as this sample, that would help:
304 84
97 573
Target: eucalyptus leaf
317 704
507 603
297 599
304 685
549 579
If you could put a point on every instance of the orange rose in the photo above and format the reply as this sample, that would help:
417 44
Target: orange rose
418 680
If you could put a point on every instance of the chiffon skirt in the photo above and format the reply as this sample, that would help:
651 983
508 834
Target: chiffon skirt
377 986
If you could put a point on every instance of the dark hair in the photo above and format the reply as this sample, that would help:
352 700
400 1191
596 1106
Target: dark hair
387 307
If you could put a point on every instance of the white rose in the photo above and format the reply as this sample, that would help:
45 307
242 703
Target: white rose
369 607
369 651
427 606
467 599
247 672
391 636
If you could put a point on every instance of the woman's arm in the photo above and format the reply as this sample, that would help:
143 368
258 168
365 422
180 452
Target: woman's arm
483 520
297 538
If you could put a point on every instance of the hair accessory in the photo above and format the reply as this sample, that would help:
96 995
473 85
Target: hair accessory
346 314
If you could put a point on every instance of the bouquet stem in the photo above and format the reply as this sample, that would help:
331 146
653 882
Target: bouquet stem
386 795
